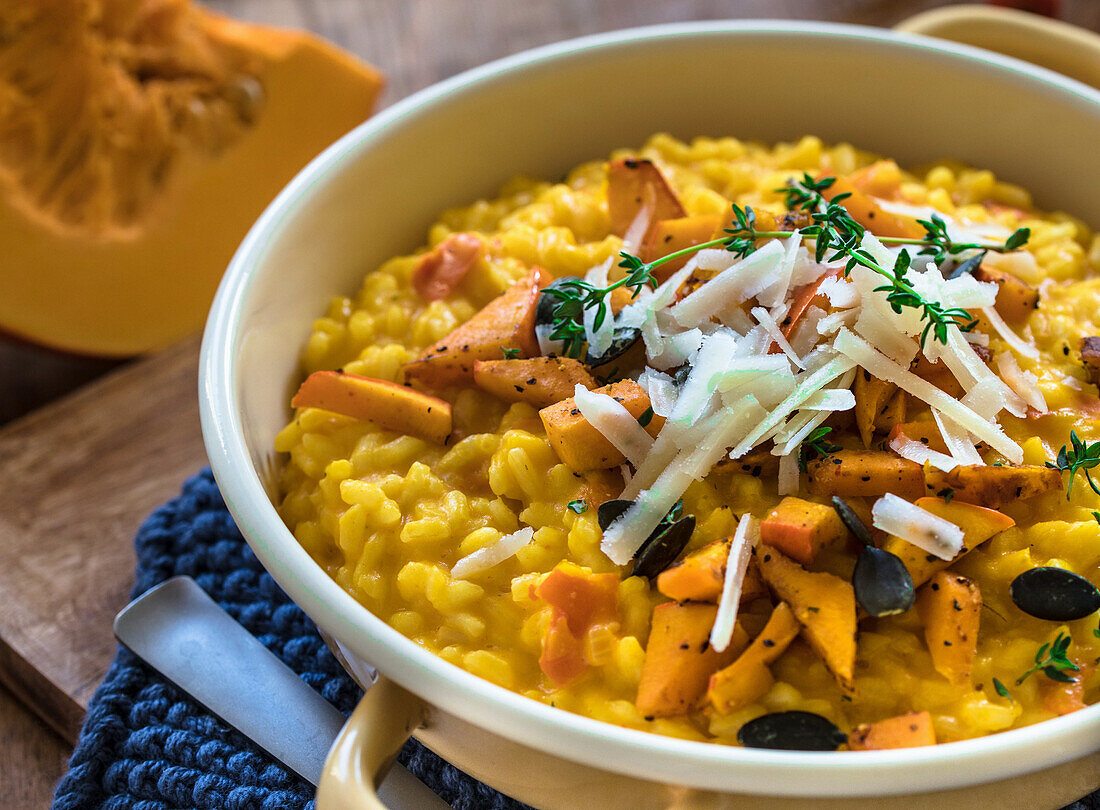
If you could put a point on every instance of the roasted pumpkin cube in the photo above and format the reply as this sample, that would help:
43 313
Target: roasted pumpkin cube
539 381
865 472
601 486
578 599
872 398
906 731
800 528
992 486
1016 299
748 678
1064 698
670 235
386 404
634 184
506 322
880 179
894 412
679 660
950 608
801 300
562 657
699 576
824 605
977 523
583 597
443 267
872 216
578 443
1090 356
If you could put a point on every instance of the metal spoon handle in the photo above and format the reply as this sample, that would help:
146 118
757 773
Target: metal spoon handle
185 636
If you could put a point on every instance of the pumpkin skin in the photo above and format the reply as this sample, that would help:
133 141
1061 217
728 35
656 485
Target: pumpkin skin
163 132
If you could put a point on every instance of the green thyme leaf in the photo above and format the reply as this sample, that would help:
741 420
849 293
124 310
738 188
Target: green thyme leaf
815 443
580 506
1078 456
510 353
1018 239
1051 660
1002 690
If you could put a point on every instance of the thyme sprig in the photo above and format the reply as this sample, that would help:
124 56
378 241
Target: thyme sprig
833 228
1082 457
815 443
1051 660
575 295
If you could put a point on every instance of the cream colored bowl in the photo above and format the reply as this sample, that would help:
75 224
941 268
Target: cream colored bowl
373 194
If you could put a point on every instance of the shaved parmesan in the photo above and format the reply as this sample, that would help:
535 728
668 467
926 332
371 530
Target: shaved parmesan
775 291
805 335
840 291
635 233
877 364
830 399
921 453
923 529
703 445
1007 335
831 323
807 386
765 319
789 480
485 558
1022 382
729 286
661 390
957 440
614 421
744 538
599 338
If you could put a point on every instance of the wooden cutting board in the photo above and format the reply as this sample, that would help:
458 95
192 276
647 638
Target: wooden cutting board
78 478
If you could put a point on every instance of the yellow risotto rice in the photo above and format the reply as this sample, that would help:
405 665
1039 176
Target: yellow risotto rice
387 515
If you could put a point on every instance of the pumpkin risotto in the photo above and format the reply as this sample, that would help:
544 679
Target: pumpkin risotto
784 447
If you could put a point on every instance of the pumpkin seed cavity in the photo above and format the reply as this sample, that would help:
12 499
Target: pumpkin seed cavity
1054 594
792 731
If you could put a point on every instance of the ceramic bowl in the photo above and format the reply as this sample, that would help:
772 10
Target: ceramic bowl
373 195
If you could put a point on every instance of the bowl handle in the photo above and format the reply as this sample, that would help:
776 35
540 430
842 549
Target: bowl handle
1059 46
366 748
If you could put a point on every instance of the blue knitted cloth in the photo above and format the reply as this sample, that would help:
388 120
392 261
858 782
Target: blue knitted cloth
144 746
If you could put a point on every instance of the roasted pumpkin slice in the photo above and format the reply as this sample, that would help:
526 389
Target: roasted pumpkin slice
140 140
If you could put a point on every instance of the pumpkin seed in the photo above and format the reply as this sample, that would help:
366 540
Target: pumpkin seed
610 511
791 731
623 338
882 583
661 548
853 521
1054 594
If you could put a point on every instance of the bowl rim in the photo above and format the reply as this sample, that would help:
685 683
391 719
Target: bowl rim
571 736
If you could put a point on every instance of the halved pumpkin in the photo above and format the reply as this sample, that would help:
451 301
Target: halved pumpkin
139 139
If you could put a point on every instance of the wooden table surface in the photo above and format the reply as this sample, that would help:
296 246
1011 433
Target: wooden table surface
124 443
